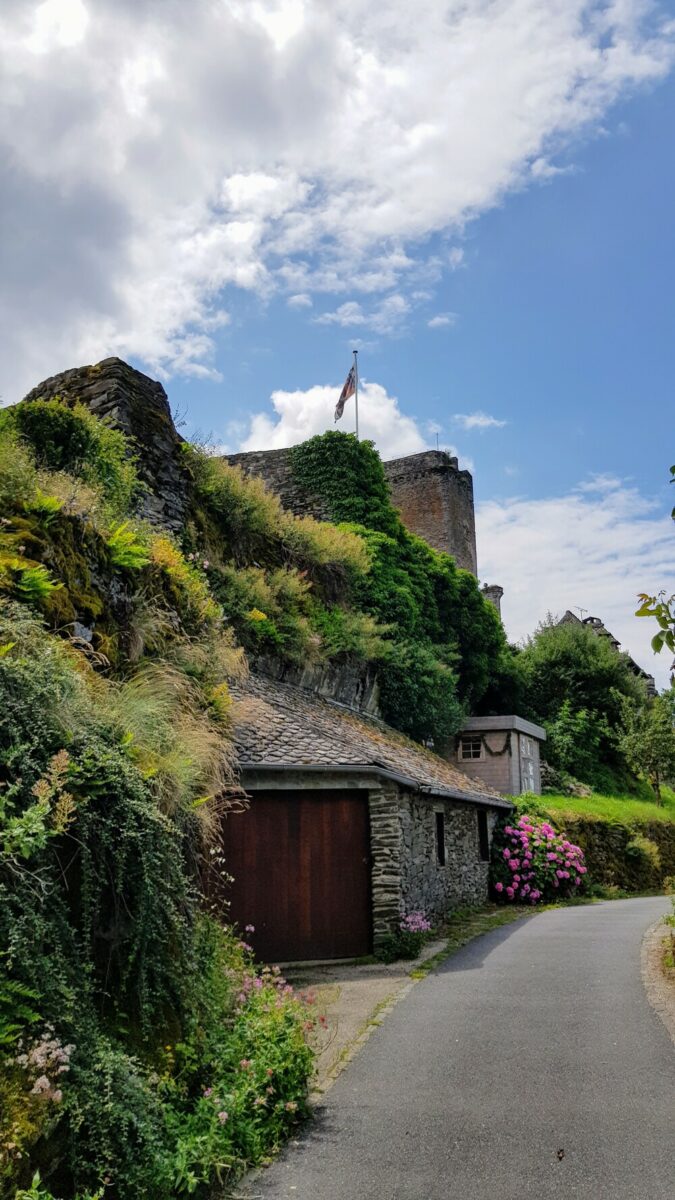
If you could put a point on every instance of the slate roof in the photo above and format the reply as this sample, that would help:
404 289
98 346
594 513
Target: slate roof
279 725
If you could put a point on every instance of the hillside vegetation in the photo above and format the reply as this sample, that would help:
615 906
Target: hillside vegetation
140 1049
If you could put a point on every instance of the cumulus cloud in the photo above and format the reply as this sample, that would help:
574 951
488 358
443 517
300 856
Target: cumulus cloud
477 420
162 158
593 548
299 415
442 320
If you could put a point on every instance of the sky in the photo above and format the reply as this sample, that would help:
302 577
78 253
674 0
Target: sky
476 194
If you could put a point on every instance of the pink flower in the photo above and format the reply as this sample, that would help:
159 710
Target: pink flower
577 881
499 887
245 1064
560 874
207 1092
507 852
516 878
223 1116
290 1106
249 928
509 892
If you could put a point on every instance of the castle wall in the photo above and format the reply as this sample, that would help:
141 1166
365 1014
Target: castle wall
435 500
434 497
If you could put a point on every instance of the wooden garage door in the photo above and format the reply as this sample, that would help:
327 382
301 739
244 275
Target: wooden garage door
301 867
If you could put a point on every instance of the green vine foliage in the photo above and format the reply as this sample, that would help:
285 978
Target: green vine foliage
348 477
445 638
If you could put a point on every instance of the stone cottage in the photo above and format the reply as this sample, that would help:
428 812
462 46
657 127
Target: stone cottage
350 825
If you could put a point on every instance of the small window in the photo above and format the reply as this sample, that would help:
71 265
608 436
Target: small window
483 836
440 838
471 747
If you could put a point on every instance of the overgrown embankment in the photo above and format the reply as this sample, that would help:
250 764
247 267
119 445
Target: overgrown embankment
628 843
140 1050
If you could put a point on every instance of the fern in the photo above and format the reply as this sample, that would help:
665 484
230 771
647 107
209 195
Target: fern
15 1010
126 549
36 584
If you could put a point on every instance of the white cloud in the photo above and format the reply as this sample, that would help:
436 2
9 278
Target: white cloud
161 154
299 415
386 317
478 420
588 548
442 320
300 300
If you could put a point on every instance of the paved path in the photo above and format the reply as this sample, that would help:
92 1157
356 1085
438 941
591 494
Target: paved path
533 1040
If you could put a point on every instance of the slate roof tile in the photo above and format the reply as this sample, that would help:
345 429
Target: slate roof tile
280 723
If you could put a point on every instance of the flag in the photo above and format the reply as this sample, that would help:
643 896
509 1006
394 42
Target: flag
347 391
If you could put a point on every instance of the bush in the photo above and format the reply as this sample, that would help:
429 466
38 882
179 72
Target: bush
532 863
407 941
72 439
108 960
418 694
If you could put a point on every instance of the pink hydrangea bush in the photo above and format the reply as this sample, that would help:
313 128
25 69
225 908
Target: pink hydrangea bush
532 863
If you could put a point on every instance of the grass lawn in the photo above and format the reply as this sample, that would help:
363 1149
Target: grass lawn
628 810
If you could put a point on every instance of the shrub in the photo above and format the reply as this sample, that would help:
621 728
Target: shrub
532 863
64 438
107 955
407 941
418 694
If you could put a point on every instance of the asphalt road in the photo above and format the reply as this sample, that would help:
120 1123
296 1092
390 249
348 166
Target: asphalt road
529 1067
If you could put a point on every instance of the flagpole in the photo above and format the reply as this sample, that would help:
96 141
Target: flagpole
356 391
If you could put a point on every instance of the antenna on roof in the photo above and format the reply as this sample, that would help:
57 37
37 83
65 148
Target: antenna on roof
581 611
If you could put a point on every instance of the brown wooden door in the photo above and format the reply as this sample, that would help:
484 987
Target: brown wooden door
301 867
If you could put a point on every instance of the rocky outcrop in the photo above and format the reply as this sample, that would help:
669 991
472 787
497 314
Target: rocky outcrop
139 407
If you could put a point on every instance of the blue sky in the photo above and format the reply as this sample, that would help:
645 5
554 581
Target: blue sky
478 193
564 326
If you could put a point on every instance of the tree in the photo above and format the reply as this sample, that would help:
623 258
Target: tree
648 740
576 685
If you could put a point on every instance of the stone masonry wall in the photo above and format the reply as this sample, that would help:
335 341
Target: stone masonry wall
405 872
427 885
139 407
274 468
386 865
435 500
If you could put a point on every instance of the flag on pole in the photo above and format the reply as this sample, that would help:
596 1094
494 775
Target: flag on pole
347 391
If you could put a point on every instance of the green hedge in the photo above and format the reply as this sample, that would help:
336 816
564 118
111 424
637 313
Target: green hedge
634 857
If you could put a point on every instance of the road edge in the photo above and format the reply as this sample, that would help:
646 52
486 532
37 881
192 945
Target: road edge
660 993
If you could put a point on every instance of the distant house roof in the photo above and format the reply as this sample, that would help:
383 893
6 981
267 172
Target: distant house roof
496 724
280 726
601 629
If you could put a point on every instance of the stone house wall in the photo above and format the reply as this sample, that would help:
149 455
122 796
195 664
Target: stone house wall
406 874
